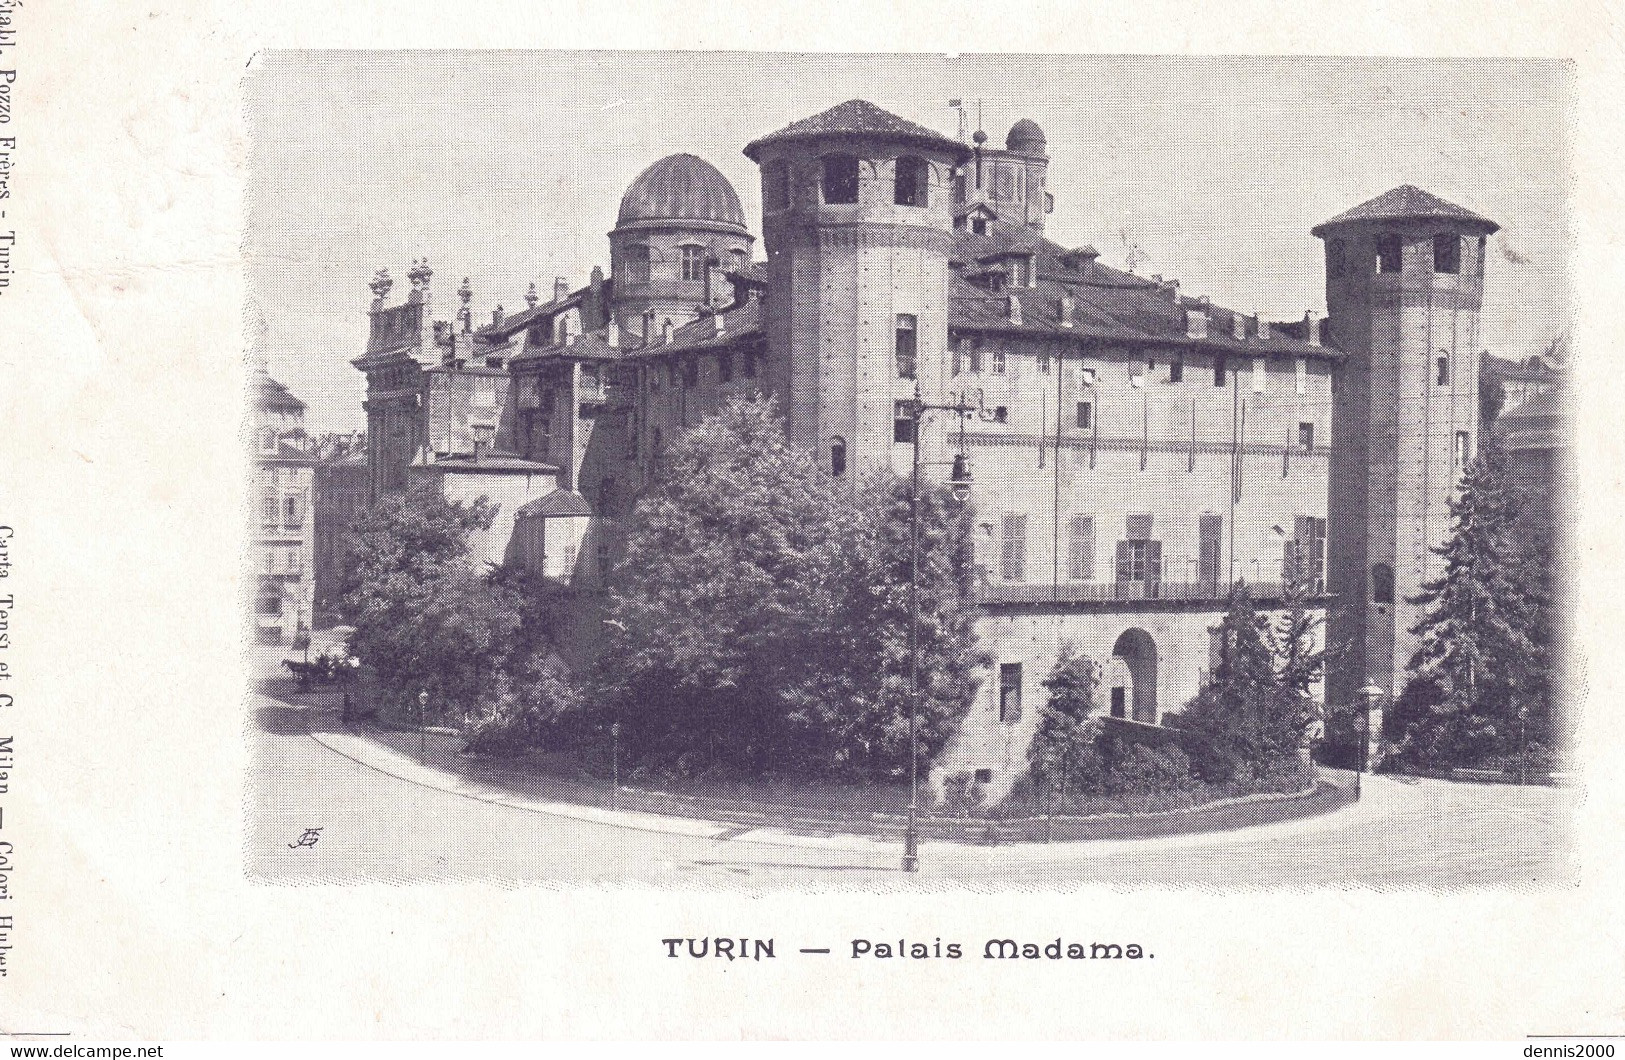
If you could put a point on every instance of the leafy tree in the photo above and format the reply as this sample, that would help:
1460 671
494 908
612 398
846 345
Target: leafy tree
1469 680
761 611
1063 760
519 711
425 618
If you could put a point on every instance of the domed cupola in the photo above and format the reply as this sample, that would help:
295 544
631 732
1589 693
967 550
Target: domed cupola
683 188
680 227
1026 138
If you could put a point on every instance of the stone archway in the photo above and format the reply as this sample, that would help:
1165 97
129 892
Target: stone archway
1136 653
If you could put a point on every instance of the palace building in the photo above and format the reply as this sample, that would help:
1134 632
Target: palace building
1137 449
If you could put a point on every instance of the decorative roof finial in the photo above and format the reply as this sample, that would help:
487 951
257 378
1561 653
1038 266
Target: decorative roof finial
531 297
465 292
381 283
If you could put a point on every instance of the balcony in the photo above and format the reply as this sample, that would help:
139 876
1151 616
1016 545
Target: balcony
1115 592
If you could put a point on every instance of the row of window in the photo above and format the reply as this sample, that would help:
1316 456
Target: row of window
289 560
686 373
967 354
692 262
1390 253
288 510
839 178
1139 555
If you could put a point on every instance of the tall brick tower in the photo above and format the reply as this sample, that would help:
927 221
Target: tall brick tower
857 220
1404 285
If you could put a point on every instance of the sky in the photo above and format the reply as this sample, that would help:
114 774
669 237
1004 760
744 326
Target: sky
508 168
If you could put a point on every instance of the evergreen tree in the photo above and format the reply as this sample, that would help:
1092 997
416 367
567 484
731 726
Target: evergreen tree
1469 681
1234 716
1063 759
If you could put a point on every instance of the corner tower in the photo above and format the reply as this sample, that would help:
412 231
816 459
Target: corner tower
680 224
857 220
1404 286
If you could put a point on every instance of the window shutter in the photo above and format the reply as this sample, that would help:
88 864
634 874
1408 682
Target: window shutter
1124 566
1289 560
1083 548
1153 562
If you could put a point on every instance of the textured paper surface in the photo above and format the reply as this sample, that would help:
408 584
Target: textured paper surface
123 476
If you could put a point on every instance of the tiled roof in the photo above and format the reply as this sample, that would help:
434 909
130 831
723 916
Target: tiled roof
741 321
857 117
1408 203
754 272
681 188
1108 304
514 322
557 505
490 460
273 395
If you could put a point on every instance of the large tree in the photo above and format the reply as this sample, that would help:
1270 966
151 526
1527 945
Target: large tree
425 618
1063 759
759 619
1467 694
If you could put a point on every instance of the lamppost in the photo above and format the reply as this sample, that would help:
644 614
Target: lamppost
423 707
1370 694
959 484
615 761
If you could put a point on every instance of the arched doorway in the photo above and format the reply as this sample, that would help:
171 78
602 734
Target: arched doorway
1134 656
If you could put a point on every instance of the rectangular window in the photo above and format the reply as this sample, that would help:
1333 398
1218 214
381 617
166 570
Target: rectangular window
998 360
295 561
292 512
1464 450
1388 253
1447 252
1209 529
1013 552
270 561
1442 372
1009 692
1219 367
693 264
1086 415
957 348
1306 437
906 348
840 179
1001 414
269 509
1021 272
1176 370
1259 375
1302 368
902 429
973 350
1081 548
1139 561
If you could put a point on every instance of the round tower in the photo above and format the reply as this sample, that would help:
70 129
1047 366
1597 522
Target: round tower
857 220
680 226
1404 286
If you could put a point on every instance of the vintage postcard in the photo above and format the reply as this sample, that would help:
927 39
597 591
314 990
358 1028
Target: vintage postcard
519 538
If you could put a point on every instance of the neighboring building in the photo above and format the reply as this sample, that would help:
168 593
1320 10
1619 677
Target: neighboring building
339 493
1536 437
1137 450
283 519
1522 380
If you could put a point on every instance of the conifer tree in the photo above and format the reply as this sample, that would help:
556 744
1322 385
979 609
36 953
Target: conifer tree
1471 677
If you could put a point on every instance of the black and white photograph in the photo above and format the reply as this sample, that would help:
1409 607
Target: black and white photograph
806 472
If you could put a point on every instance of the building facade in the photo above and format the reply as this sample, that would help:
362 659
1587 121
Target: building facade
283 524
1135 450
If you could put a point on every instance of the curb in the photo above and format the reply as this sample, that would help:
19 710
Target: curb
403 767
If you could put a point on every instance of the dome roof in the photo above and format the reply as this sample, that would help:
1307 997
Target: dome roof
1025 137
681 188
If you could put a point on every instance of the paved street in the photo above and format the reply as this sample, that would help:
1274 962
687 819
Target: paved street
380 827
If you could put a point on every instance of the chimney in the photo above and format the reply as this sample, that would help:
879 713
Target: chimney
1196 323
1015 309
561 289
496 316
1204 301
1069 308
595 294
1311 327
465 315
1263 329
612 333
1238 326
648 325
1173 290
665 333
721 326
531 297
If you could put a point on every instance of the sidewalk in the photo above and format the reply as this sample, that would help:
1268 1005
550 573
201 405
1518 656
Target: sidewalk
1383 797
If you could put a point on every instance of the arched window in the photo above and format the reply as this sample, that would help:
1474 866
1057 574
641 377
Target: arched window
911 182
1389 247
837 456
906 345
840 179
738 258
1443 370
776 185
693 265
637 263
1447 252
1382 583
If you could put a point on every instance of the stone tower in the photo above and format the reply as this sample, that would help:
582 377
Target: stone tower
1404 285
680 226
857 220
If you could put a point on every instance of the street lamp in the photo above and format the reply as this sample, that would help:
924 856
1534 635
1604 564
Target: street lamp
1371 694
423 707
959 487
615 760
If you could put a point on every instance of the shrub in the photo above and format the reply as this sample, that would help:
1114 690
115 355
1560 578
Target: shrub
1144 770
522 711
